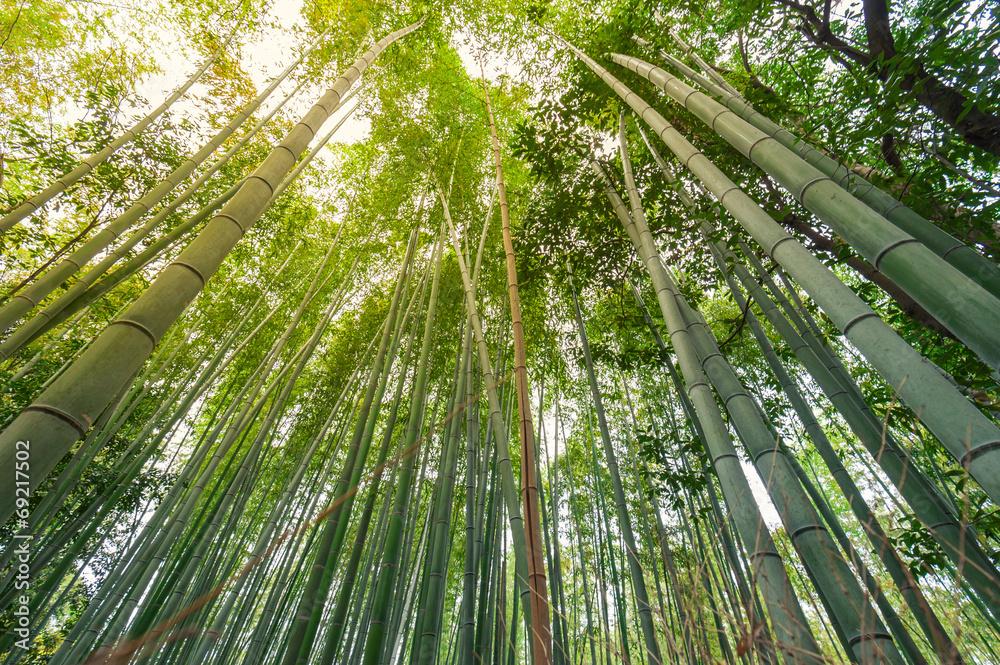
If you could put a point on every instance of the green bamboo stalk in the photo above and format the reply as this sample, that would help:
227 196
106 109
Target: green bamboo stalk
560 650
653 655
280 509
312 603
436 564
337 619
31 328
23 370
375 640
424 614
697 431
27 334
836 584
206 540
702 560
965 307
488 564
396 641
957 540
62 414
643 486
466 650
705 67
541 632
158 532
615 587
946 650
140 260
582 566
563 617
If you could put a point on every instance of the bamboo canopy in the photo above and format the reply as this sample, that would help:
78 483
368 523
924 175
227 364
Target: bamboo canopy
341 354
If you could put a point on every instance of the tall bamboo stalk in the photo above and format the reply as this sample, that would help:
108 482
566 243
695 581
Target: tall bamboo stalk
500 430
80 290
383 586
904 581
653 656
960 303
64 412
540 627
835 583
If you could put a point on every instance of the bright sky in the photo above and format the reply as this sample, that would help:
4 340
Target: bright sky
266 58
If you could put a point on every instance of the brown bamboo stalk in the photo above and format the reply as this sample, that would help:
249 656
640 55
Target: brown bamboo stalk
541 629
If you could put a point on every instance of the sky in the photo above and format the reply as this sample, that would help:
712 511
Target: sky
266 57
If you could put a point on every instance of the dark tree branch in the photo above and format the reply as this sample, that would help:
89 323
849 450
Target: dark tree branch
975 127
746 65
891 154
878 30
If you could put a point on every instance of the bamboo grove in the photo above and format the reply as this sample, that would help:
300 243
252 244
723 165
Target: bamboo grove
635 359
